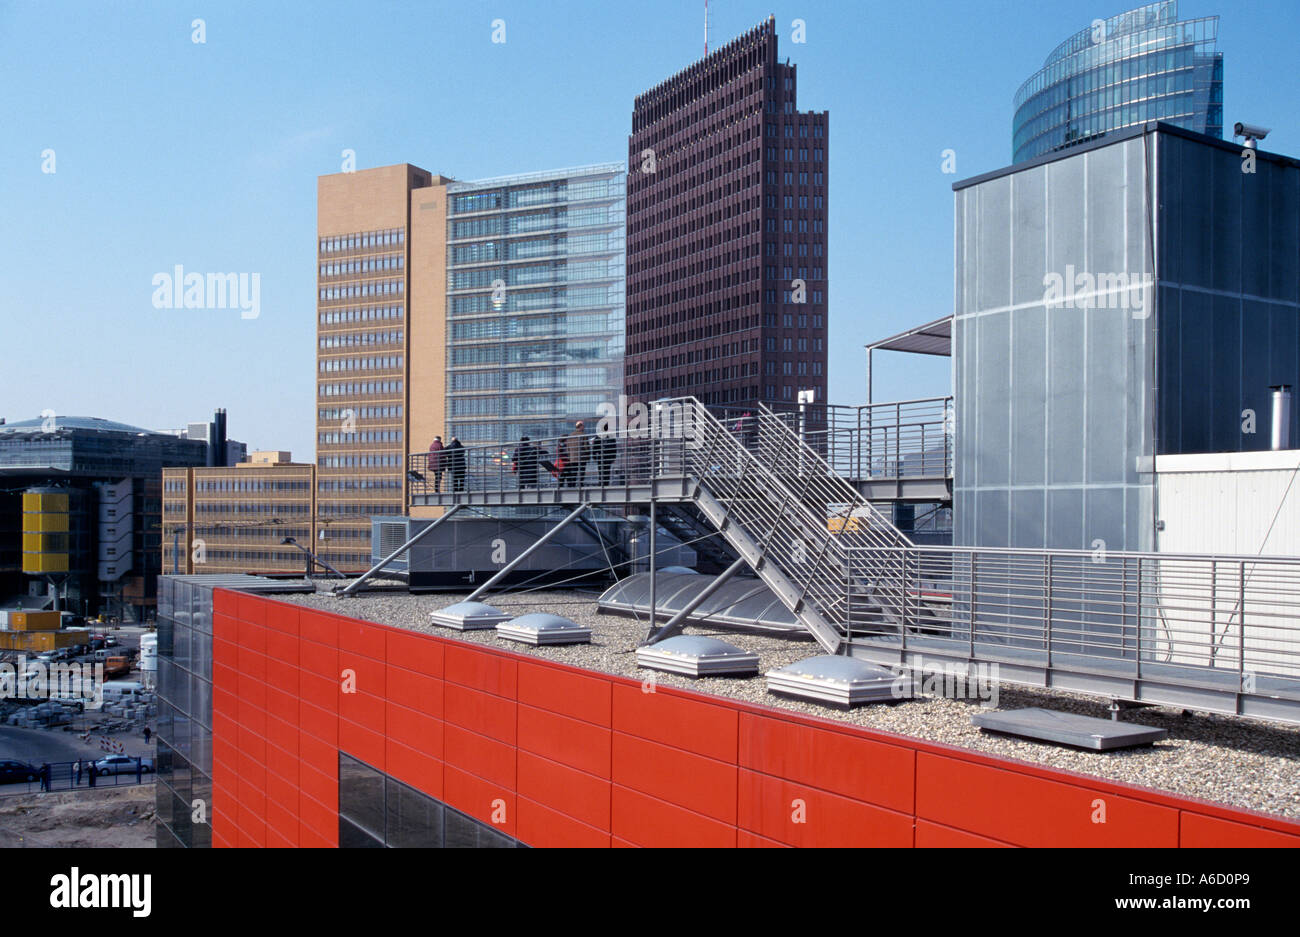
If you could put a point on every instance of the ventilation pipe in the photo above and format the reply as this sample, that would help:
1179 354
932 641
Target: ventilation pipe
1281 438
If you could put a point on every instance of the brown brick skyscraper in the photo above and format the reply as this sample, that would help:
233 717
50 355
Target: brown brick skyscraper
727 204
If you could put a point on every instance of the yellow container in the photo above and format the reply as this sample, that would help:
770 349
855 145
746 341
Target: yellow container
35 621
37 563
45 543
36 502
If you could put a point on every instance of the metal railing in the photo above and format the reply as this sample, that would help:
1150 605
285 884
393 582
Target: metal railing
77 775
899 439
1226 621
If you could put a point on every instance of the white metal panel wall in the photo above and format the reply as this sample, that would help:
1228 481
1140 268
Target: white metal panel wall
1227 503
1241 503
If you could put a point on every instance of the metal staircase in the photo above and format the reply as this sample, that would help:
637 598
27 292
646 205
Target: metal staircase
771 497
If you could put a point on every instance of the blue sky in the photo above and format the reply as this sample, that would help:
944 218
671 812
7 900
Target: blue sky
206 155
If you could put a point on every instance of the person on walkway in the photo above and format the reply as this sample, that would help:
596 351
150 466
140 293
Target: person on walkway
147 733
525 463
435 462
455 456
606 450
575 456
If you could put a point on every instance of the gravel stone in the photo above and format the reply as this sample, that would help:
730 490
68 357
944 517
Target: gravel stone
1235 761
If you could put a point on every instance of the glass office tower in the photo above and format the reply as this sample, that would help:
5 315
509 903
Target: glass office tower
1138 66
535 290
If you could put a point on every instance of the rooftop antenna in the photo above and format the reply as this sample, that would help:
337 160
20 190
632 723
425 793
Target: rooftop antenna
706 28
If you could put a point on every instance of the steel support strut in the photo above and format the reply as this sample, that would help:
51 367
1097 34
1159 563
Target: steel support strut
351 590
573 515
675 624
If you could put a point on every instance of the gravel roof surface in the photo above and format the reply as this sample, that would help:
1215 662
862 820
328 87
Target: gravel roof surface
1235 761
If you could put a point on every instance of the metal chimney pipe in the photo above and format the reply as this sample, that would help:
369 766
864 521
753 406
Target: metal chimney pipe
1281 438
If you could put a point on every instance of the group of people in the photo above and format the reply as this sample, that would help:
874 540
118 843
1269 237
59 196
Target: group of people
573 454
450 459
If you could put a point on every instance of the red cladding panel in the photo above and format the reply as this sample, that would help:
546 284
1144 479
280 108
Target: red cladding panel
1030 811
281 617
804 816
421 653
673 720
483 713
936 836
319 659
415 690
570 694
314 784
421 732
365 640
747 840
481 756
251 608
693 781
1199 832
319 691
834 761
225 653
322 756
571 742
319 823
480 670
648 821
542 827
364 709
318 723
282 649
483 800
571 792
362 743
252 636
414 768
321 627
367 674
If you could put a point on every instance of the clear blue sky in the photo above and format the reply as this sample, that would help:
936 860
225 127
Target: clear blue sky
168 152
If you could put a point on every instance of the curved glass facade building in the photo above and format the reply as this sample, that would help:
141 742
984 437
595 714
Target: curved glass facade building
1135 67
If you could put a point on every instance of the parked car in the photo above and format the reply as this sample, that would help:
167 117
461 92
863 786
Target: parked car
123 764
47 657
110 641
12 771
97 642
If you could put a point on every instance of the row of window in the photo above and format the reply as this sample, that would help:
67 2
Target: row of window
359 413
555 352
356 290
816 297
272 509
789 273
550 378
564 190
350 339
356 511
601 242
360 460
572 297
202 485
362 241
774 130
525 406
364 265
359 387
384 363
497 225
362 314
358 484
369 435
561 272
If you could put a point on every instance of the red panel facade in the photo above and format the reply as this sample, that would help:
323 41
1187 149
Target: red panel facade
562 757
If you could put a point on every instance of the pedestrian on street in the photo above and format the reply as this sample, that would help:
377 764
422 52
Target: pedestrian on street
147 733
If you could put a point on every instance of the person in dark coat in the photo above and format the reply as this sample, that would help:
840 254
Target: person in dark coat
435 462
525 463
454 455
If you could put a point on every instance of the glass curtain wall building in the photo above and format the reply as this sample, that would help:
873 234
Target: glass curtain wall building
1139 66
535 302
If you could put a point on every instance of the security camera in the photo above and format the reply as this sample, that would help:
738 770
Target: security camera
1250 132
